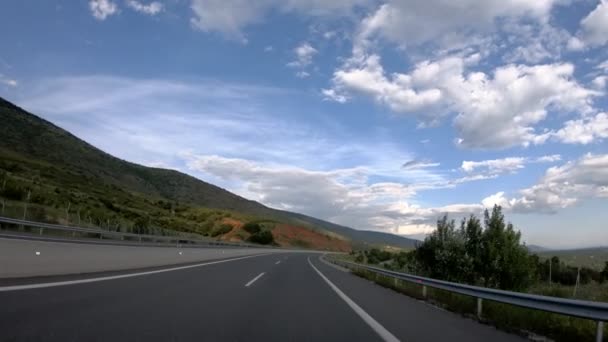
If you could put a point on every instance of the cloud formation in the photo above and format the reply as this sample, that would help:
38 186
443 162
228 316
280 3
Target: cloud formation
152 8
101 9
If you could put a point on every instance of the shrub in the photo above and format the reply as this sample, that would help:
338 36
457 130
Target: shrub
221 230
252 227
263 237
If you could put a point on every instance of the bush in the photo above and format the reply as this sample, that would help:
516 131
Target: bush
263 237
252 227
221 230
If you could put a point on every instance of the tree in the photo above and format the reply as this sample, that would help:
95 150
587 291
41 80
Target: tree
492 256
263 237
604 274
252 227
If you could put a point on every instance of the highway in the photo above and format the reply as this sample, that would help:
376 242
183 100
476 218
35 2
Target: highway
258 297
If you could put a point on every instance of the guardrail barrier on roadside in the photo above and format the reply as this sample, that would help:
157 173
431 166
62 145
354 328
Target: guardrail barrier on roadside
132 237
596 311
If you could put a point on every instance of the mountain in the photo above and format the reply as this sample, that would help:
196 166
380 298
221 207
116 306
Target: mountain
537 248
65 171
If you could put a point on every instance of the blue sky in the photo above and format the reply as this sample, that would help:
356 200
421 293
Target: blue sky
374 114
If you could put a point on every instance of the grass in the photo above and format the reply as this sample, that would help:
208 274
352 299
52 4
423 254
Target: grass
507 317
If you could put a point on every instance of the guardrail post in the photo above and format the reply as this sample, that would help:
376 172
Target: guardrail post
41 230
599 335
424 291
479 307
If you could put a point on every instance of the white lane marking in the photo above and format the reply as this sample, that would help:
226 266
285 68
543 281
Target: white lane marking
254 279
377 327
129 275
278 262
37 253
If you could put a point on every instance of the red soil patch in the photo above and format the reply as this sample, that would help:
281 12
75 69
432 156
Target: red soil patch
292 236
233 235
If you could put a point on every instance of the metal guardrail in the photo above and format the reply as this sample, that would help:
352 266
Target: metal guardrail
596 311
120 235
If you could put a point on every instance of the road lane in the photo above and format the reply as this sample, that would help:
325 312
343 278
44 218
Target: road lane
209 303
290 302
410 319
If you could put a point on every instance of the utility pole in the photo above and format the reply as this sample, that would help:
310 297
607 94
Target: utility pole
550 262
578 280
29 193
67 213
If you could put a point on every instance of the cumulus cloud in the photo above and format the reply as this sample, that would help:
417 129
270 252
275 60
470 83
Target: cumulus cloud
230 17
343 196
594 27
325 194
560 187
400 21
101 9
509 103
333 95
152 8
304 54
584 131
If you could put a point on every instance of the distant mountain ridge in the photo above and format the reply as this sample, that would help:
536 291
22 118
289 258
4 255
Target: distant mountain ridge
25 136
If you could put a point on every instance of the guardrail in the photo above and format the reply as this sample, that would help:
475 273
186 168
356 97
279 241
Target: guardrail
578 308
141 238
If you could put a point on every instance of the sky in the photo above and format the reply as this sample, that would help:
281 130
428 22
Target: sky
379 115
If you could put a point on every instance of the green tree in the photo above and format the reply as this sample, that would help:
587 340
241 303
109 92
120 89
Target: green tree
252 227
604 274
263 237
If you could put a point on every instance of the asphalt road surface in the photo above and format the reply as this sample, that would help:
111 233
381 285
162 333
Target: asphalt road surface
270 297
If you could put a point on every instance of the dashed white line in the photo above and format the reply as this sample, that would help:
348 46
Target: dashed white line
129 275
278 262
254 279
377 327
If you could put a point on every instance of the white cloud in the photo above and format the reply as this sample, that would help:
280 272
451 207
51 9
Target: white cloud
230 17
495 165
509 103
333 95
585 130
599 82
152 8
400 21
304 54
560 187
342 196
101 9
419 164
8 81
268 48
505 165
594 27
302 74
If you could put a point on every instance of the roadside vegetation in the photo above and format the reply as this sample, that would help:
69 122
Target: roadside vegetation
489 253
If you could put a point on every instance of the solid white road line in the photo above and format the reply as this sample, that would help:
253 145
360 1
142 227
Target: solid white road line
129 275
377 327
254 279
278 262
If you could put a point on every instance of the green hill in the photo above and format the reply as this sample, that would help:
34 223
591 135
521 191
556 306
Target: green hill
61 171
